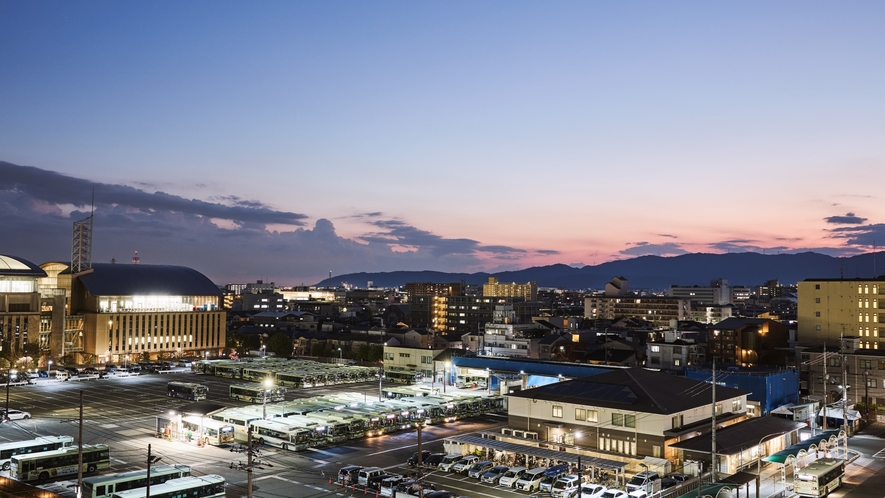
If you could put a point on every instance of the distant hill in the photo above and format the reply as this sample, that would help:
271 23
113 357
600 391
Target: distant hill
653 272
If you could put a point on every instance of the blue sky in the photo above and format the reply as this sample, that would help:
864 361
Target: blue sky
287 139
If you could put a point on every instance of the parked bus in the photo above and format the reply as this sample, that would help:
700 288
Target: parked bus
819 478
255 393
56 463
209 486
187 390
282 433
38 445
106 486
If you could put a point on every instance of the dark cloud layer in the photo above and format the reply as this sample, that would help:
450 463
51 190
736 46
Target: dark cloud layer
848 219
167 229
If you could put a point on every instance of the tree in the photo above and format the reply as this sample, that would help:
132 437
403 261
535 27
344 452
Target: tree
376 352
317 349
280 344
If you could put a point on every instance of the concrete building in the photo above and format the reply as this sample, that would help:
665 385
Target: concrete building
831 308
407 364
718 293
674 353
493 288
748 342
19 306
632 412
516 340
657 310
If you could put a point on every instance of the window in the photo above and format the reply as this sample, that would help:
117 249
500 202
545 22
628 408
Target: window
557 411
816 286
871 382
866 364
580 414
677 362
817 314
629 420
736 406
881 364
834 361
817 327
676 421
405 355
592 416
427 359
655 348
817 300
618 419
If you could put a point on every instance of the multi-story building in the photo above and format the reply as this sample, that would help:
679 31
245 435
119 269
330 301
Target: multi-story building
748 342
631 412
405 363
832 308
493 288
424 308
657 310
674 353
825 370
145 311
718 293
517 340
709 313
19 305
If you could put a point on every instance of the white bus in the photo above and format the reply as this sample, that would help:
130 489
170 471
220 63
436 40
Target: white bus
56 463
255 393
106 486
187 390
213 432
209 486
38 445
819 478
282 433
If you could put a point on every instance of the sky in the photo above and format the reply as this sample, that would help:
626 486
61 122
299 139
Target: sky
287 140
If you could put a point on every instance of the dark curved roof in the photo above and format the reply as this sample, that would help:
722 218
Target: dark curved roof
14 266
128 280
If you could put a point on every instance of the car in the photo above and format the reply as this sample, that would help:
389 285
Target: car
509 478
434 459
494 474
547 483
449 461
592 490
414 488
464 464
110 368
643 481
185 363
480 468
374 482
347 474
14 415
32 374
531 480
442 494
413 460
566 487
615 493
677 476
43 373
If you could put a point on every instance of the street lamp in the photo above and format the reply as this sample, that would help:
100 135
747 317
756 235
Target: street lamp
489 379
49 370
446 374
9 373
263 351
340 356
268 384
759 459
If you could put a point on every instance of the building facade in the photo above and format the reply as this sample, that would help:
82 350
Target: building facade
748 342
657 310
527 291
20 306
832 308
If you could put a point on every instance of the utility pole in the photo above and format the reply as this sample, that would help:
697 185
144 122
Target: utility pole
844 360
249 463
713 465
79 450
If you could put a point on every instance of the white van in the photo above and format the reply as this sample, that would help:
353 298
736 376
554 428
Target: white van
463 465
365 474
566 486
508 480
448 461
531 479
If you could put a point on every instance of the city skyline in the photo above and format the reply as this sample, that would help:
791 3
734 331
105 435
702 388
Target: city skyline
287 140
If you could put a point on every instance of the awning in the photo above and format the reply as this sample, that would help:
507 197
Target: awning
853 415
784 457
535 451
740 478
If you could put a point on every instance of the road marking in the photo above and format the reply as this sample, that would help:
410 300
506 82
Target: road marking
879 454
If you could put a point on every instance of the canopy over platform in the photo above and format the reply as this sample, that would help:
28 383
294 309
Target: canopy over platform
523 449
823 440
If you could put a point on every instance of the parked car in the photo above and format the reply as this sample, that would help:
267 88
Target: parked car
677 476
643 481
449 461
593 490
90 370
566 487
510 477
347 474
547 483
42 373
374 482
434 459
442 494
464 464
531 480
494 474
14 415
413 460
480 468
110 368
615 493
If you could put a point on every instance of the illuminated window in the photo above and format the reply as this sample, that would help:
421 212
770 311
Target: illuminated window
557 411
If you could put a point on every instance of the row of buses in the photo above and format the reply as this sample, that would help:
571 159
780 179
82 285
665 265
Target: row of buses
298 374
48 457
334 419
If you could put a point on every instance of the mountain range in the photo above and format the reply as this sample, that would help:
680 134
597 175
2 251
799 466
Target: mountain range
651 272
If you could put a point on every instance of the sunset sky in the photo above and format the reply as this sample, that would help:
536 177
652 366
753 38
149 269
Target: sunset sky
286 140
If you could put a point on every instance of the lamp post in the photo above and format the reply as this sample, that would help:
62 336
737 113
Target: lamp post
268 384
380 379
446 375
49 369
263 351
340 356
9 374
